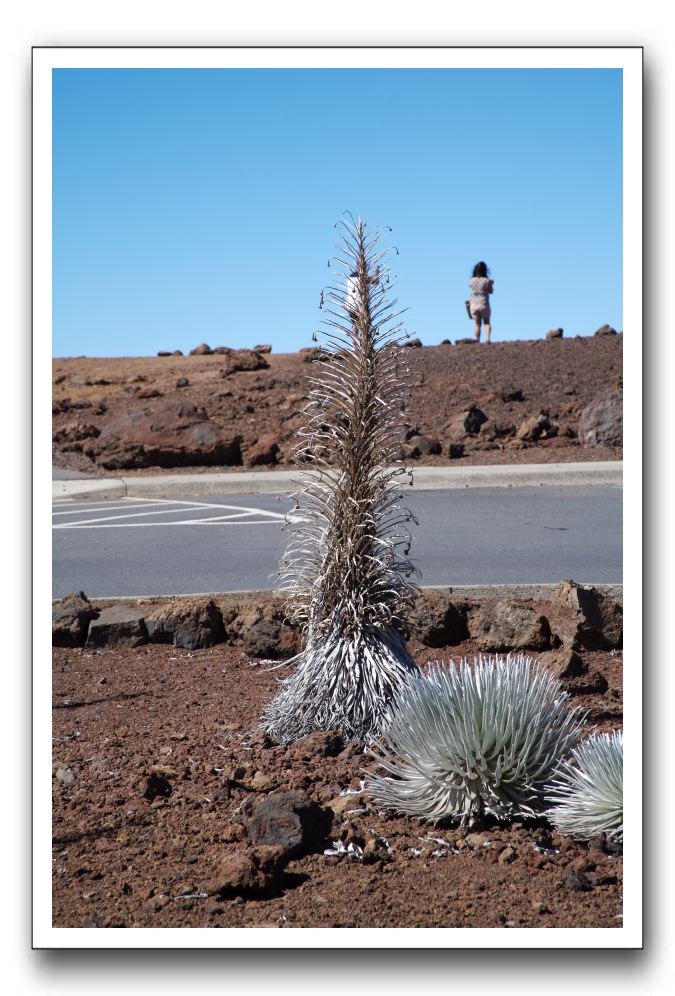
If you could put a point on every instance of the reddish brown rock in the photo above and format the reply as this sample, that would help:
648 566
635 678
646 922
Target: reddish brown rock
117 626
172 434
555 334
509 625
243 359
187 623
201 350
585 618
70 620
254 872
264 451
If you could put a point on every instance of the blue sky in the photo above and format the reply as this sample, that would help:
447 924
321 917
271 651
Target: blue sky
198 205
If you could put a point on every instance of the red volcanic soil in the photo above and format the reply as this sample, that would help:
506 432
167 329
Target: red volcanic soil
124 859
510 382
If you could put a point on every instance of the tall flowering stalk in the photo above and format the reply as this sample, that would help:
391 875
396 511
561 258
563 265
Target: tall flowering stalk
346 570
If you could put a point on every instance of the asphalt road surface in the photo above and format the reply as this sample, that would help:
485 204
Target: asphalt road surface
528 535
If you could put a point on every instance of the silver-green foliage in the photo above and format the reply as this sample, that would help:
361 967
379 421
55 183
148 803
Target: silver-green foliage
465 741
588 790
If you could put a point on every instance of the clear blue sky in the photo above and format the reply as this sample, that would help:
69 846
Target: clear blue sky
198 205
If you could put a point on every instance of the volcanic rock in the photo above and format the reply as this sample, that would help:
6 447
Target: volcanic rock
222 350
437 622
164 352
171 434
266 348
118 626
288 820
70 620
601 421
422 446
466 341
182 382
509 625
507 392
536 427
264 451
555 334
177 352
605 330
187 624
455 450
201 350
243 359
256 871
412 344
584 618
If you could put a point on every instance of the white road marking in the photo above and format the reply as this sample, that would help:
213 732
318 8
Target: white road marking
184 522
163 506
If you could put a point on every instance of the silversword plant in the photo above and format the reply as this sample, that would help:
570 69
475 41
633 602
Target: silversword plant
464 741
588 790
346 569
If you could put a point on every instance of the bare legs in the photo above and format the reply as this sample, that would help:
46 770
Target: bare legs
488 328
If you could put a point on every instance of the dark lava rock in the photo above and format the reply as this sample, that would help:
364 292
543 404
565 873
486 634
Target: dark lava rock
265 348
182 382
267 638
605 330
201 350
537 427
156 785
70 620
466 341
507 392
164 352
288 820
423 446
555 334
590 683
567 664
576 881
412 344
438 622
455 450
118 626
186 624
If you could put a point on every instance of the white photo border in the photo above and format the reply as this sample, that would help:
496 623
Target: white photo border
630 61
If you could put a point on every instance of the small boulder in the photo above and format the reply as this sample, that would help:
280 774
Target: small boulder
201 350
605 330
424 446
177 352
438 622
222 350
555 334
585 618
455 450
536 427
243 359
288 820
601 421
264 451
445 342
412 344
265 348
509 625
70 620
257 871
187 624
118 626
507 392
466 341
164 352
182 382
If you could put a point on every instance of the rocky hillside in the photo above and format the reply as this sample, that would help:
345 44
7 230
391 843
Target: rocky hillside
553 399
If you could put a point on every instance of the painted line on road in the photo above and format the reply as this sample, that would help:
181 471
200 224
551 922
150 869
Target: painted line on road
110 508
164 525
239 510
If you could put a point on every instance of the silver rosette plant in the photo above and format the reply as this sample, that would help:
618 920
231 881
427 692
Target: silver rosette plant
346 570
467 741
587 792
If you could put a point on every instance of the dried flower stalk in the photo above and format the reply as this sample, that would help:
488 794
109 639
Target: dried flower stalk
346 570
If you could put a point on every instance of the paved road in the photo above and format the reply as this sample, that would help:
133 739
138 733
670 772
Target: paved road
476 536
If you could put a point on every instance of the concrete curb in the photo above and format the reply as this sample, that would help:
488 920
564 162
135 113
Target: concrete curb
282 481
542 590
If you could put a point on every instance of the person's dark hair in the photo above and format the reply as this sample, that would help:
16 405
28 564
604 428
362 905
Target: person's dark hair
480 270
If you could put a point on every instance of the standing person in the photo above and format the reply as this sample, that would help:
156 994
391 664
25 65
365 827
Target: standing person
479 302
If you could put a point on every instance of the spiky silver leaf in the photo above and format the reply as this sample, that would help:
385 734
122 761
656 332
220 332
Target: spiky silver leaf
588 790
466 741
346 570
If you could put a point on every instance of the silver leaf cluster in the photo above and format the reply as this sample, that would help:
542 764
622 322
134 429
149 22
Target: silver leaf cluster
463 741
588 790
